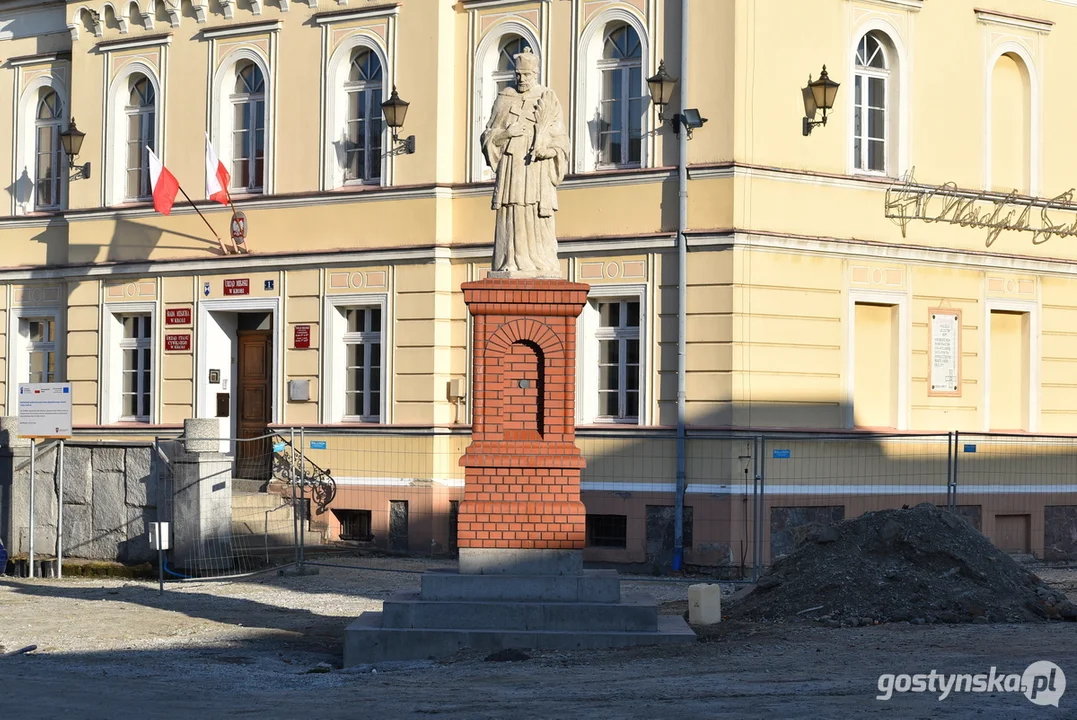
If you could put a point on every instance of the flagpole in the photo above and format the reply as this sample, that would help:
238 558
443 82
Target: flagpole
218 237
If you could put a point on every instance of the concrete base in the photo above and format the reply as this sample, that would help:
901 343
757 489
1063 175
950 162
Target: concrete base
511 561
596 586
366 641
454 611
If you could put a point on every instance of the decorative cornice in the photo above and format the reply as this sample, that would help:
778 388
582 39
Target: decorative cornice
910 5
39 59
251 28
994 17
144 41
335 16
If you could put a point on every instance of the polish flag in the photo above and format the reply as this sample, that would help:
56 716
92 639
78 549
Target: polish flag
165 186
217 178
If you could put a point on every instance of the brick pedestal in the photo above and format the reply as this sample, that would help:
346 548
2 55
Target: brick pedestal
521 582
522 477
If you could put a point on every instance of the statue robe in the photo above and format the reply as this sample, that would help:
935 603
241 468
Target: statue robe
528 168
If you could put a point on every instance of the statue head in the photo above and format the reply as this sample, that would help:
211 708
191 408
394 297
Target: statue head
527 69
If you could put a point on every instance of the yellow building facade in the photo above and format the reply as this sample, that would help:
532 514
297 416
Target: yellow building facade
844 281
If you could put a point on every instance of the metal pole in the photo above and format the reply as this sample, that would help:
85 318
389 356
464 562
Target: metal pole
953 476
756 551
295 510
682 300
60 511
760 530
302 495
33 451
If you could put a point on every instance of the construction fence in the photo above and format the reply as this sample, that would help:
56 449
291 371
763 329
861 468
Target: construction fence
298 494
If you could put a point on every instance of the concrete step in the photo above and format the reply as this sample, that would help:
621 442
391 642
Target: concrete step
254 501
591 586
366 641
280 540
635 613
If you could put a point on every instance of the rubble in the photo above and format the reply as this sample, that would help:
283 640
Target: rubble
921 565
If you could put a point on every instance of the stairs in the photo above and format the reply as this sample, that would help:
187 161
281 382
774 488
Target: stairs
261 520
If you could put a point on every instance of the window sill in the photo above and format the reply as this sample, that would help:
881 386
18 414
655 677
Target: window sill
245 194
359 186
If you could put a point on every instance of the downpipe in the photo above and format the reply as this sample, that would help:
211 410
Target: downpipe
682 300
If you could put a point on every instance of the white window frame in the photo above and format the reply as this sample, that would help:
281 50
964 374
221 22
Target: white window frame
625 92
862 75
334 356
371 114
589 88
588 378
485 84
1032 308
25 194
900 300
899 67
116 131
222 121
19 346
336 109
111 373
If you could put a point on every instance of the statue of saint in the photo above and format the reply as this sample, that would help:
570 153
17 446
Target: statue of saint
526 145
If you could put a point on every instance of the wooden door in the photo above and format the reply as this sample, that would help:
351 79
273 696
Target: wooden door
253 390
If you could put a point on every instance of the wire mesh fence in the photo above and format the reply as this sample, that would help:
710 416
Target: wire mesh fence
748 499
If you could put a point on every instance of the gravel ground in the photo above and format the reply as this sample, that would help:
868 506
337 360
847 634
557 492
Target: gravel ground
115 648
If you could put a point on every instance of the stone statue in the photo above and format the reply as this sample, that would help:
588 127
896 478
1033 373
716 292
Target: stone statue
526 145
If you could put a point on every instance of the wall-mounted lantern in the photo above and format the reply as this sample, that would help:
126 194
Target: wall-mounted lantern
818 95
661 85
71 139
395 110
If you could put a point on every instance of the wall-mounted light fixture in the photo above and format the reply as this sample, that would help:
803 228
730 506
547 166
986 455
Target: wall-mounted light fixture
818 95
395 110
661 85
71 139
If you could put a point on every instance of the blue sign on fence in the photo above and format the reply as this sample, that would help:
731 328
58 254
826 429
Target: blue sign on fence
782 454
278 447
970 448
317 445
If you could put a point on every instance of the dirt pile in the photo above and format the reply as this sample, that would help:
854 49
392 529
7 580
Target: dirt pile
922 564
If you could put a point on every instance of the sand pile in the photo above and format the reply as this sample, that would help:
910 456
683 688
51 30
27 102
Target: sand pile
922 565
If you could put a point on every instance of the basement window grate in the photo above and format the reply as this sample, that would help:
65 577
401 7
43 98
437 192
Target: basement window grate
607 531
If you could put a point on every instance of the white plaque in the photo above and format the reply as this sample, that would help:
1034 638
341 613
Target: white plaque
945 351
44 410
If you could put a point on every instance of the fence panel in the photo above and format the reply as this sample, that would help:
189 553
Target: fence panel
810 481
1020 491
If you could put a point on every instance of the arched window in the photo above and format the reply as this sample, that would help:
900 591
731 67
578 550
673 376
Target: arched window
870 109
621 102
248 128
141 112
505 74
363 126
48 151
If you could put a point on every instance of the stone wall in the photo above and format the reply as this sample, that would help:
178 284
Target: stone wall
109 495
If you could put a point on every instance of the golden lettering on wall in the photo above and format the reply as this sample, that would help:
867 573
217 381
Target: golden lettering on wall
1045 218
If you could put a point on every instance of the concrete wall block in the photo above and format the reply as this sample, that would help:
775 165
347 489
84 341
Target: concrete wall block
108 459
136 547
77 474
141 488
109 513
78 531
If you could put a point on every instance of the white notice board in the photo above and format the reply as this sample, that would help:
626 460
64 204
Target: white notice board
44 410
945 352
